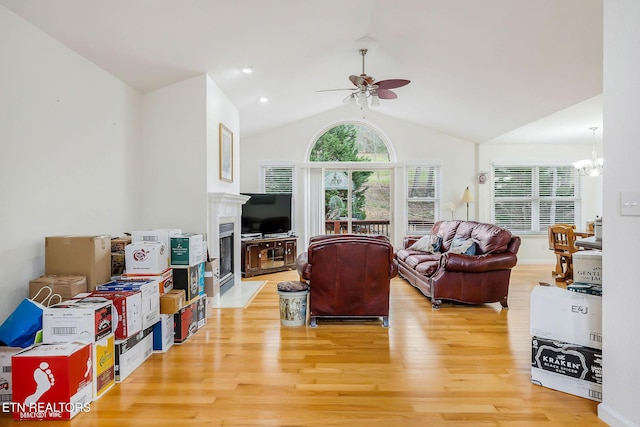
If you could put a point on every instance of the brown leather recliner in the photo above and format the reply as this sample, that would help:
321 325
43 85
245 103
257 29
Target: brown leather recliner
478 278
349 276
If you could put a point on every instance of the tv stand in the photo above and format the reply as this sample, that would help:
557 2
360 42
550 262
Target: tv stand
268 255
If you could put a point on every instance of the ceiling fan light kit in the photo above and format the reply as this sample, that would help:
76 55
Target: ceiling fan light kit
367 91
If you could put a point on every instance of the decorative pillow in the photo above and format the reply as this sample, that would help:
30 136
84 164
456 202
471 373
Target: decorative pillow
460 245
429 243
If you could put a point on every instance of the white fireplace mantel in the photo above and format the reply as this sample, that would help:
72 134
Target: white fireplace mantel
226 208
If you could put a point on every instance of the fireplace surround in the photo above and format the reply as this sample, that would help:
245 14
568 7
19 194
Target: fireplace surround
223 229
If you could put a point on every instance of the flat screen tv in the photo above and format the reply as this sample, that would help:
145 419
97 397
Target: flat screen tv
266 213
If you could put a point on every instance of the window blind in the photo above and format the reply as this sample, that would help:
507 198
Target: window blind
530 198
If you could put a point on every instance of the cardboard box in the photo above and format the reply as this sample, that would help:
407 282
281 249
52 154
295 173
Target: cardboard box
186 249
128 311
88 256
87 319
6 389
163 334
189 319
172 301
190 279
562 315
145 258
118 244
165 279
132 352
150 296
61 376
117 264
104 368
161 235
212 277
567 367
587 267
65 285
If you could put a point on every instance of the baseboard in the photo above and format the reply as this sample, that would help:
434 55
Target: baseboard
613 418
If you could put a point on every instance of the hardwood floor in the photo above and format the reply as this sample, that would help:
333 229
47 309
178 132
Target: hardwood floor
460 365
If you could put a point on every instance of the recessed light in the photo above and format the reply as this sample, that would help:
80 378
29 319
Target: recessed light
247 70
264 99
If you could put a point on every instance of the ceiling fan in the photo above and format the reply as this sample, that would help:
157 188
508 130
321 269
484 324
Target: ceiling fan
367 89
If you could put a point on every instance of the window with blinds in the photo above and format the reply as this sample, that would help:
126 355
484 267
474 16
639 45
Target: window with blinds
423 190
530 198
277 179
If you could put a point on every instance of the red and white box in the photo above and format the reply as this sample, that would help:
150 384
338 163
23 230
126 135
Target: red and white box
86 319
5 371
52 381
145 257
128 306
150 296
165 279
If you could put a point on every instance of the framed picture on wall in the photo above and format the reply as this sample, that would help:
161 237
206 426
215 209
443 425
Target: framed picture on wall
226 154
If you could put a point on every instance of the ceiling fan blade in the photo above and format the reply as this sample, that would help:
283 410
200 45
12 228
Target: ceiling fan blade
392 83
332 90
386 93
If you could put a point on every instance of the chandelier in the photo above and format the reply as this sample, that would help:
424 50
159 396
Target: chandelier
594 165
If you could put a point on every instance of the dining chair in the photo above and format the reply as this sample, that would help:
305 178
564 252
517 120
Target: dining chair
562 242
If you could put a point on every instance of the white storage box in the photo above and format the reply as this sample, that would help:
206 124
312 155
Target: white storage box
145 258
132 352
587 267
562 315
156 235
87 319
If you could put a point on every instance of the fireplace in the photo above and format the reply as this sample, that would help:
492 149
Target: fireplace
223 229
225 234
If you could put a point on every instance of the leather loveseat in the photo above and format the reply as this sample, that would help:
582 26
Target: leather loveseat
463 261
349 276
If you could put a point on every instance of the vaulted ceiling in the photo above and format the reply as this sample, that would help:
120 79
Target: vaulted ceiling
479 69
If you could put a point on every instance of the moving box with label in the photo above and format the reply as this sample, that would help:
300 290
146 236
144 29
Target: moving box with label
88 319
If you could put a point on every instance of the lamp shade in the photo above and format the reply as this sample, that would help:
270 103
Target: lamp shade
467 197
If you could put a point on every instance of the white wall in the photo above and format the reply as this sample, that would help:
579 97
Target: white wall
221 110
621 293
69 136
181 154
174 157
411 144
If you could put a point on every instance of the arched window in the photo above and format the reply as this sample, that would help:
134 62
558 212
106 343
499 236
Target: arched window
354 161
350 142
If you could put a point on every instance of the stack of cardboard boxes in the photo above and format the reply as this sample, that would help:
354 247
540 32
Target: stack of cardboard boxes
566 329
107 324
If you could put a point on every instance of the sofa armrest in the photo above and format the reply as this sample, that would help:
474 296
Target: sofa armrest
410 240
477 263
302 265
